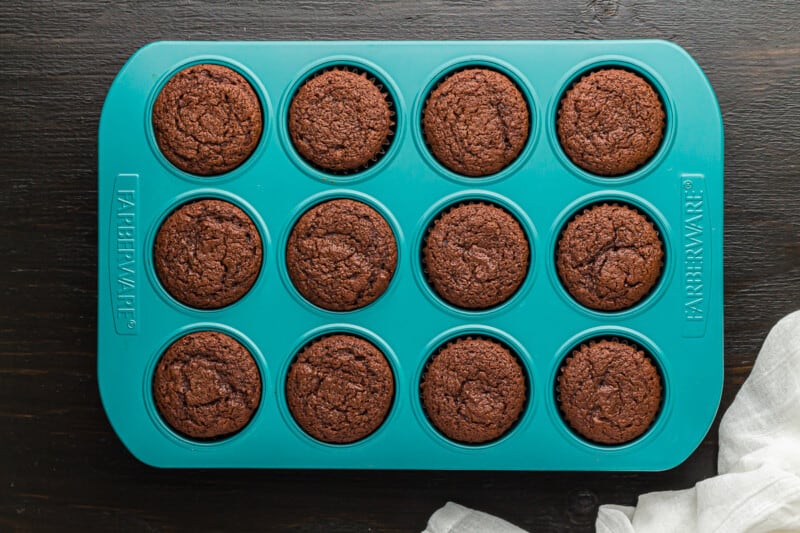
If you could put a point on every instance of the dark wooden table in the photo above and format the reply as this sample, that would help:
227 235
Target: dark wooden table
61 466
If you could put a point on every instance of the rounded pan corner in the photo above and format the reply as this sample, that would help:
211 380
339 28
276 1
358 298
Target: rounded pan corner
676 460
113 87
141 455
144 458
671 44
153 47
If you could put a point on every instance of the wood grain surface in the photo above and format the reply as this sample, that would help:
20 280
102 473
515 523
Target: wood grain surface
61 466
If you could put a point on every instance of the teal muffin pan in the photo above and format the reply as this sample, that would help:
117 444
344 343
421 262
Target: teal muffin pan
679 323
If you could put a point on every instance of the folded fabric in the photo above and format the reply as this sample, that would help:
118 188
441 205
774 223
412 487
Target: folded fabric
758 486
454 518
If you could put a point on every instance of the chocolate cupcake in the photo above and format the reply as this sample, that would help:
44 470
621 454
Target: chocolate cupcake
206 385
476 122
207 254
609 257
340 120
609 391
610 122
473 390
341 255
476 255
340 388
207 120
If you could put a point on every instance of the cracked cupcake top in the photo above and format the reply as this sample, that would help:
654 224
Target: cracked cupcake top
206 385
341 255
610 122
473 390
476 255
476 122
207 120
207 254
340 389
609 391
340 120
609 257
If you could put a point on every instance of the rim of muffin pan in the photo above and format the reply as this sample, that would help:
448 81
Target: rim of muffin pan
266 118
318 333
627 336
184 440
474 331
312 201
423 227
176 203
635 67
454 66
643 207
387 86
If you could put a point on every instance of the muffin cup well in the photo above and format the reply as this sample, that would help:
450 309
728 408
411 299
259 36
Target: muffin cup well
191 197
633 66
321 198
175 435
385 90
449 339
322 333
195 275
650 355
583 206
480 201
482 64
266 119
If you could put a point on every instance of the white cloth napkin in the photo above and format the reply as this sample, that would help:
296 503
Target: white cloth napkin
454 518
758 486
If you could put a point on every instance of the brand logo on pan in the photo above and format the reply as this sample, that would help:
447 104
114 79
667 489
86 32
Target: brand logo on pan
694 260
124 291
